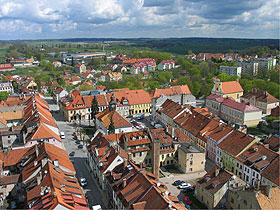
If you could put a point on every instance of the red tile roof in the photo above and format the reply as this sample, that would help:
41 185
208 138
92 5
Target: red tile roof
261 96
235 142
231 87
174 90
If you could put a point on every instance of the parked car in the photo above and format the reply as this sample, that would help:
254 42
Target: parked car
75 138
184 185
78 142
96 207
178 182
80 146
187 200
158 125
62 135
188 189
140 127
72 153
141 116
74 134
83 182
132 120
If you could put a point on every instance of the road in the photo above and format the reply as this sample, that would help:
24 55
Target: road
92 191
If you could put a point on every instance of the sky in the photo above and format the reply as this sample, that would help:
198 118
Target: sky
51 19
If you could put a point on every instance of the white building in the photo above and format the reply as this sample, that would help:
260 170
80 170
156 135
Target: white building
6 86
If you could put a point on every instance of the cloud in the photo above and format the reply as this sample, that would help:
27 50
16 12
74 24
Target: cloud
139 18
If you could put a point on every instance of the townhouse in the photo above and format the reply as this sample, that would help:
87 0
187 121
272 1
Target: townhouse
166 65
148 64
110 117
113 76
212 188
231 148
261 99
132 187
73 106
264 197
253 161
217 136
80 68
234 112
6 86
270 175
59 93
230 89
273 142
103 156
180 94
27 83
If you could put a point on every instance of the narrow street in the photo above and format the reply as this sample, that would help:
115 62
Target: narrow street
92 191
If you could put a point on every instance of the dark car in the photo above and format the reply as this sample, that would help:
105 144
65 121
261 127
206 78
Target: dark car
75 138
80 146
72 153
178 182
188 189
78 142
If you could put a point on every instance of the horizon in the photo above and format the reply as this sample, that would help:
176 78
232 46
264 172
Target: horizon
129 19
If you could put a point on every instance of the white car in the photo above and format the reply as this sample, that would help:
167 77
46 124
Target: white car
184 185
62 135
96 207
158 126
83 182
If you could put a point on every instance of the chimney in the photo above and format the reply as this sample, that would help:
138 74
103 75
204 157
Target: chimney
124 182
217 171
38 180
173 132
155 157
129 156
141 165
125 162
268 191
55 163
37 150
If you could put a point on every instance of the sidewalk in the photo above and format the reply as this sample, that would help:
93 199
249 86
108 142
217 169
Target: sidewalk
104 201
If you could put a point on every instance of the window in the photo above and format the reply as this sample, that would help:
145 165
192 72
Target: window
167 155
134 154
253 173
238 206
237 164
191 155
191 162
9 137
245 202
140 154
190 169
232 200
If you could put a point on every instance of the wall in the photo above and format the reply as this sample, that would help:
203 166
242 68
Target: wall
184 160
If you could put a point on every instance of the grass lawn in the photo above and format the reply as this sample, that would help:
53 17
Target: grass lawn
196 202
256 131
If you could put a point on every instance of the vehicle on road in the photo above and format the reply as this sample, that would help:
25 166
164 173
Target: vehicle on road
74 134
96 207
140 127
62 135
80 146
141 116
178 182
158 125
187 200
72 153
78 142
132 120
75 138
188 189
184 185
83 182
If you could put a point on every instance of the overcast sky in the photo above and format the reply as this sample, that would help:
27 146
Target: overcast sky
40 19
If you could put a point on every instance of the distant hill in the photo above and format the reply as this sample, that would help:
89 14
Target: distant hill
182 45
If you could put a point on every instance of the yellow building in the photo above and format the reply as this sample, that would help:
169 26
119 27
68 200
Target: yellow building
228 89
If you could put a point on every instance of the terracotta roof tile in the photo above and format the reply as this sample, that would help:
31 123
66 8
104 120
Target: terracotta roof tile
231 87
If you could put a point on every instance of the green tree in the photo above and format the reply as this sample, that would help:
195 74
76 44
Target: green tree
4 78
61 82
49 67
196 88
15 84
94 107
85 87
3 95
38 82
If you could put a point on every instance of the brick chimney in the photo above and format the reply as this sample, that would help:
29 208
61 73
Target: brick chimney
124 183
125 163
155 156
